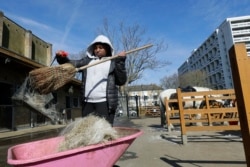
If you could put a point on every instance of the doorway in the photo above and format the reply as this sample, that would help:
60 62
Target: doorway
6 111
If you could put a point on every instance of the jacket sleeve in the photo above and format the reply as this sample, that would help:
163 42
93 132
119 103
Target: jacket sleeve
120 71
79 63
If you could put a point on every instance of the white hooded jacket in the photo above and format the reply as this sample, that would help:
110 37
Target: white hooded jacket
97 76
100 82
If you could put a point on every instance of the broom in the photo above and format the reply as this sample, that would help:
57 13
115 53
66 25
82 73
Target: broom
48 79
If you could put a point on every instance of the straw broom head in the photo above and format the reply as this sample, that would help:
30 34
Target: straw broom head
48 79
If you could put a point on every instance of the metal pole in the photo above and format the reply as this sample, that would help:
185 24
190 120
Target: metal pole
137 108
127 105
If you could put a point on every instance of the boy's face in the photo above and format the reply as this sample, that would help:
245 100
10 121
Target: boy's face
99 50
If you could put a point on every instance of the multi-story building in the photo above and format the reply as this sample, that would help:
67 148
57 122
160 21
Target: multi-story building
212 55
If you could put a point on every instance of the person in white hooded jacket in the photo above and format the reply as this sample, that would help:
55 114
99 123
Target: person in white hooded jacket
101 81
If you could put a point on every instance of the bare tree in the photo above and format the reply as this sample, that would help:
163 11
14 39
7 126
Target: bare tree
194 78
127 37
170 82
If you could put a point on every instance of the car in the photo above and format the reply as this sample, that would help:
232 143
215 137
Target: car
132 113
119 112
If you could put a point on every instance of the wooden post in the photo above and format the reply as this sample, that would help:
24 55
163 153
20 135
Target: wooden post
182 117
208 114
241 76
167 114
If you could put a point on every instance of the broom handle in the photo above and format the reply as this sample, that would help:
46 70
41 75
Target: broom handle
113 57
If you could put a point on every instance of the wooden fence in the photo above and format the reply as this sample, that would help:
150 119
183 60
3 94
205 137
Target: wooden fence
213 116
152 111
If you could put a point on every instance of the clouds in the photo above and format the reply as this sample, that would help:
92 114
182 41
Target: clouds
71 25
72 20
214 12
32 23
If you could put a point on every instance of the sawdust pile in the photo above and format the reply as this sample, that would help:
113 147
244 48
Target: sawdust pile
87 131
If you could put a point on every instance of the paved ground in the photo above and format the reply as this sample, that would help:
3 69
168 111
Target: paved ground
156 147
159 148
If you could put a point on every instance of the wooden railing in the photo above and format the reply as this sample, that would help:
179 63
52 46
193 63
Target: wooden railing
213 116
151 111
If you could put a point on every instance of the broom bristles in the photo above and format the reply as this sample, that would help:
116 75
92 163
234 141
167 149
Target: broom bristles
49 79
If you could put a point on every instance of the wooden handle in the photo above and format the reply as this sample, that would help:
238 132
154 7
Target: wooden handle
113 57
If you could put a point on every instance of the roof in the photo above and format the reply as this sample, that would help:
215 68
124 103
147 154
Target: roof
19 58
24 62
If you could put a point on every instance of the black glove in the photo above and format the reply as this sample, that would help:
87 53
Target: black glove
62 57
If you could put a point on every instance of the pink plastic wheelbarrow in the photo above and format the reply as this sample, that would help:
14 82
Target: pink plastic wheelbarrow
43 153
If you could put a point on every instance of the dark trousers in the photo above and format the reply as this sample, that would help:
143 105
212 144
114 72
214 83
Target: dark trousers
99 109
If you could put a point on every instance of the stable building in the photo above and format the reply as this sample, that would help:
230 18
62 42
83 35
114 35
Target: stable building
20 52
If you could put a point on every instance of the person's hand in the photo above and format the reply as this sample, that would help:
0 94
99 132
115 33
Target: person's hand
62 57
61 53
122 54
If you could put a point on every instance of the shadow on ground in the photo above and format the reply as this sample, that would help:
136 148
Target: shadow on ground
202 138
198 163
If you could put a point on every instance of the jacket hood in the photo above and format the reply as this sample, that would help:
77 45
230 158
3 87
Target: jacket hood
99 39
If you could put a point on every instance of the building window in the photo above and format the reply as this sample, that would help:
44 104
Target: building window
145 97
155 97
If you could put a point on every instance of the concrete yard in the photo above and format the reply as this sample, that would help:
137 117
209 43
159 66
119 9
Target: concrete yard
158 147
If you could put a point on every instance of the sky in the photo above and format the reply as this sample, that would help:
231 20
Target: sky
71 25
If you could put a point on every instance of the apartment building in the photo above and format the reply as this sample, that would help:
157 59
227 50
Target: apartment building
212 55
